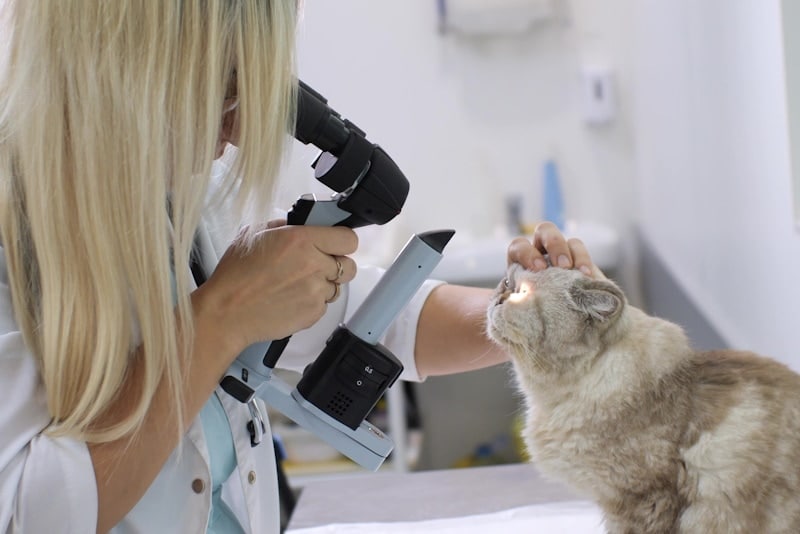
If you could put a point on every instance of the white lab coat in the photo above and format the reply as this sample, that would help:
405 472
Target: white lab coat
48 485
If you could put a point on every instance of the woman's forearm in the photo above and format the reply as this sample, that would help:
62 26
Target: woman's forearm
451 334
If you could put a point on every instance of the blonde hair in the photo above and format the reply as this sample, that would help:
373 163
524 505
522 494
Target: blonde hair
109 118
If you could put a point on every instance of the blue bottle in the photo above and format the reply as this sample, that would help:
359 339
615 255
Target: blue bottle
551 195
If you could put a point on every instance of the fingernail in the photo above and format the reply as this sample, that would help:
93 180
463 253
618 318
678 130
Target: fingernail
585 270
539 264
563 261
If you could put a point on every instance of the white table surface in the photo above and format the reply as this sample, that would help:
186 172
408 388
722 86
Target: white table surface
424 495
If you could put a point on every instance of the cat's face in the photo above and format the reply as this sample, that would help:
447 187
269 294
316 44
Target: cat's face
551 319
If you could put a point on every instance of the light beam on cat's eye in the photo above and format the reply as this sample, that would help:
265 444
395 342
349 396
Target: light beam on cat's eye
524 290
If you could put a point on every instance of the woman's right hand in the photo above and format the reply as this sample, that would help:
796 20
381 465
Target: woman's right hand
278 285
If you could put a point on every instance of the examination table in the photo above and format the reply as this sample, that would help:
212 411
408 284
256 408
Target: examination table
420 501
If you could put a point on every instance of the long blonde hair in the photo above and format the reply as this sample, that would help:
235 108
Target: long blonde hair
109 118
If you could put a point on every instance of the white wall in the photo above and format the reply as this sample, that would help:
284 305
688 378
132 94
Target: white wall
470 121
714 167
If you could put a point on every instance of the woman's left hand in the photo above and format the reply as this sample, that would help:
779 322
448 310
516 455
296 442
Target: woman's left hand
548 239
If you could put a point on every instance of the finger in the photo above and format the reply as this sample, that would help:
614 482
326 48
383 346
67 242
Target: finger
275 223
338 269
335 295
580 256
334 240
547 238
522 251
345 269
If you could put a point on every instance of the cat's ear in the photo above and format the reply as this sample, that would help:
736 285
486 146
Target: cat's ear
599 299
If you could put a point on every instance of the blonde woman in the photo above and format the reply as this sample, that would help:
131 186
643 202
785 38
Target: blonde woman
111 115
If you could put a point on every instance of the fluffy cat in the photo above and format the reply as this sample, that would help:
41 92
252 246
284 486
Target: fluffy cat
665 439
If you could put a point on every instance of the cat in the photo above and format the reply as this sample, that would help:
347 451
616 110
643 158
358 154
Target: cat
663 438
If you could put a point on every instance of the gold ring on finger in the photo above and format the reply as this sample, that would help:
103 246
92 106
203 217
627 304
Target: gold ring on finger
335 293
339 270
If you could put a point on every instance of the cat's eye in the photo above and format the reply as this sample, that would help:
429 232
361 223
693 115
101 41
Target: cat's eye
521 292
506 283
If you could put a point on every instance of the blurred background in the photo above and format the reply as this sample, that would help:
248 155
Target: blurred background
665 123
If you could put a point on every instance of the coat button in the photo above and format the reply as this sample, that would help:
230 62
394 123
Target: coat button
198 485
251 477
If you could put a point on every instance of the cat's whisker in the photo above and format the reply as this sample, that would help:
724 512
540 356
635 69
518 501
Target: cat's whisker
480 357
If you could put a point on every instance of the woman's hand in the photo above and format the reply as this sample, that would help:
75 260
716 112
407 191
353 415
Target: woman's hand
279 284
548 239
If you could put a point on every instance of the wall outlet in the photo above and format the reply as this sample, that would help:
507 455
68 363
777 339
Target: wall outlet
597 95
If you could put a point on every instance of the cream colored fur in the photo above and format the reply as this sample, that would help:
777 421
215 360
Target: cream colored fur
665 439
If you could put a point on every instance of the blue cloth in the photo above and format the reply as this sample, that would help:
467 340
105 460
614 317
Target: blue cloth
222 459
